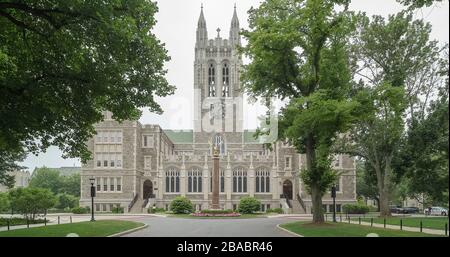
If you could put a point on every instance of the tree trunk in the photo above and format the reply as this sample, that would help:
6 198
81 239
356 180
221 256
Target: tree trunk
316 195
316 199
378 204
384 203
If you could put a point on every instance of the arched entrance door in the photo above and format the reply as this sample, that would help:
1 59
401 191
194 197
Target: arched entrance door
148 189
287 189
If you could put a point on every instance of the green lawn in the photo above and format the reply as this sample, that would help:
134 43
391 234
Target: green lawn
83 229
345 230
243 216
427 222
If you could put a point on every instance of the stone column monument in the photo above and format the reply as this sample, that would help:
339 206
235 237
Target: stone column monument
215 180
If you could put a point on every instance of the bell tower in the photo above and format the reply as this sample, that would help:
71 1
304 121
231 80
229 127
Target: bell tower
218 101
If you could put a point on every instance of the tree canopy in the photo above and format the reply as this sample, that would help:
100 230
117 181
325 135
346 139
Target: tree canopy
299 52
63 63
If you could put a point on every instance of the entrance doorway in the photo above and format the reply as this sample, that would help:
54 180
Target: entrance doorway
287 189
148 189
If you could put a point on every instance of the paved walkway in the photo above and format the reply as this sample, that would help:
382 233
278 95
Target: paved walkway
185 227
161 226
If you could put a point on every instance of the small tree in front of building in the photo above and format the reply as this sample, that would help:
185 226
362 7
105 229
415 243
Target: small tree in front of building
249 205
31 201
4 202
66 201
181 205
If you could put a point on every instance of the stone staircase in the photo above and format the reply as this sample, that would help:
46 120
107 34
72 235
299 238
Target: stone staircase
137 206
297 207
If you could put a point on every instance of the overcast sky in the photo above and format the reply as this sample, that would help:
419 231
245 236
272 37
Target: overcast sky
176 27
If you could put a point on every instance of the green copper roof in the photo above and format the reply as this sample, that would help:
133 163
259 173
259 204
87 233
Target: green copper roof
187 136
180 136
249 138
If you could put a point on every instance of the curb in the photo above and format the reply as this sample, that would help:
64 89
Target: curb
128 231
290 232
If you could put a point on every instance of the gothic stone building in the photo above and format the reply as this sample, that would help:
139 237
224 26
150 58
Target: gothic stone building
138 166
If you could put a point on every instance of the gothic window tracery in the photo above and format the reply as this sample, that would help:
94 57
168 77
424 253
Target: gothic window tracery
226 80
211 80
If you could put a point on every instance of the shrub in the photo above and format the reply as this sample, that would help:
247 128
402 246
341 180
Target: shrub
4 203
275 210
117 209
31 201
66 201
249 205
156 210
18 221
355 209
80 210
181 205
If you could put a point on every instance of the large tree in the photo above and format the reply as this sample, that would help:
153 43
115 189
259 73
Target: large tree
298 52
413 4
423 159
65 62
46 178
391 55
366 182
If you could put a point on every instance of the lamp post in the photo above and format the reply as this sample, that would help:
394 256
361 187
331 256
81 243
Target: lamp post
333 194
92 180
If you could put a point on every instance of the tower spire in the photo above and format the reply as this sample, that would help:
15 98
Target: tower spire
235 38
202 32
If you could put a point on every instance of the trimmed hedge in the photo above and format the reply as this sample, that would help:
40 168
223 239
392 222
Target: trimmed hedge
117 209
249 205
81 210
156 210
181 205
355 209
275 210
19 221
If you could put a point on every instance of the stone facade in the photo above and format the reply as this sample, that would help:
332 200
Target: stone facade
21 179
137 166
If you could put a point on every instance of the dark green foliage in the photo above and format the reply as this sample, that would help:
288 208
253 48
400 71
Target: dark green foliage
299 51
275 210
66 201
5 204
80 210
51 179
181 205
19 221
62 63
355 208
117 209
156 210
31 201
413 4
248 205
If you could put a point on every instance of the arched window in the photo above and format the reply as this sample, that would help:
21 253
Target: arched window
172 181
239 181
226 80
262 181
211 80
194 181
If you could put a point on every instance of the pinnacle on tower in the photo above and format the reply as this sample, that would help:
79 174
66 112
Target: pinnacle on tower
235 38
202 32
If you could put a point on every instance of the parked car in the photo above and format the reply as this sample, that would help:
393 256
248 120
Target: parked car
395 209
407 210
436 210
